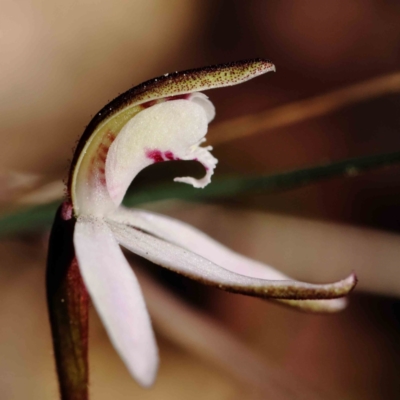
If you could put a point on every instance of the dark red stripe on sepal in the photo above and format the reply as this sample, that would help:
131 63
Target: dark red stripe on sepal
68 301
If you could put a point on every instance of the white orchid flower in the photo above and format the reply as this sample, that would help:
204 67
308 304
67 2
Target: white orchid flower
161 120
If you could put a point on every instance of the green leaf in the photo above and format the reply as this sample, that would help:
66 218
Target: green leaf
28 219
41 216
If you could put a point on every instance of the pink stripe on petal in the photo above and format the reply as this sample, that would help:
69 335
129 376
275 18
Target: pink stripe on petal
117 297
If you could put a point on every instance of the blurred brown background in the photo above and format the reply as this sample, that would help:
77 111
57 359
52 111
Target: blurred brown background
62 61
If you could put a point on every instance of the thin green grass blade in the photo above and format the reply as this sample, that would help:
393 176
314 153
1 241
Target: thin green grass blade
33 218
29 219
225 187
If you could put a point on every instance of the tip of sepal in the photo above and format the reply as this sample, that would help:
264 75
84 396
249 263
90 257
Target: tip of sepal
328 291
347 285
148 377
257 65
336 303
290 289
329 306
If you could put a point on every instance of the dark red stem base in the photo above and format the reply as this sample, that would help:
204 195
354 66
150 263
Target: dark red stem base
68 308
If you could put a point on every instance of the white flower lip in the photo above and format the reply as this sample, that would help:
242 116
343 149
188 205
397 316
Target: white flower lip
172 130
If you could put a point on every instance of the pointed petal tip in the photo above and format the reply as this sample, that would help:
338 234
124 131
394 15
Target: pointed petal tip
146 376
336 290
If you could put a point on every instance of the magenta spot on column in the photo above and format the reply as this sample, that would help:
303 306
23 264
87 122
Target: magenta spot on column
154 155
170 156
148 104
179 97
158 156
103 149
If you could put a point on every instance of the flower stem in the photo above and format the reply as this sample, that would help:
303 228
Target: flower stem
68 309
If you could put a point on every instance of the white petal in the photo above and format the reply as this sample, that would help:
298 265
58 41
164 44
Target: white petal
172 130
192 239
202 100
117 297
196 267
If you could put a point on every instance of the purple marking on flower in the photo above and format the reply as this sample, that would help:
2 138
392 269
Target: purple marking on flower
185 96
170 156
66 211
148 104
151 103
159 156
155 155
103 149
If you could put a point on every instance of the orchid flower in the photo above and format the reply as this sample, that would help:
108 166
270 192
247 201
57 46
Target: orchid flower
163 119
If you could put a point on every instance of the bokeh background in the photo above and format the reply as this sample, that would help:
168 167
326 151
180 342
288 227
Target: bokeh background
62 61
